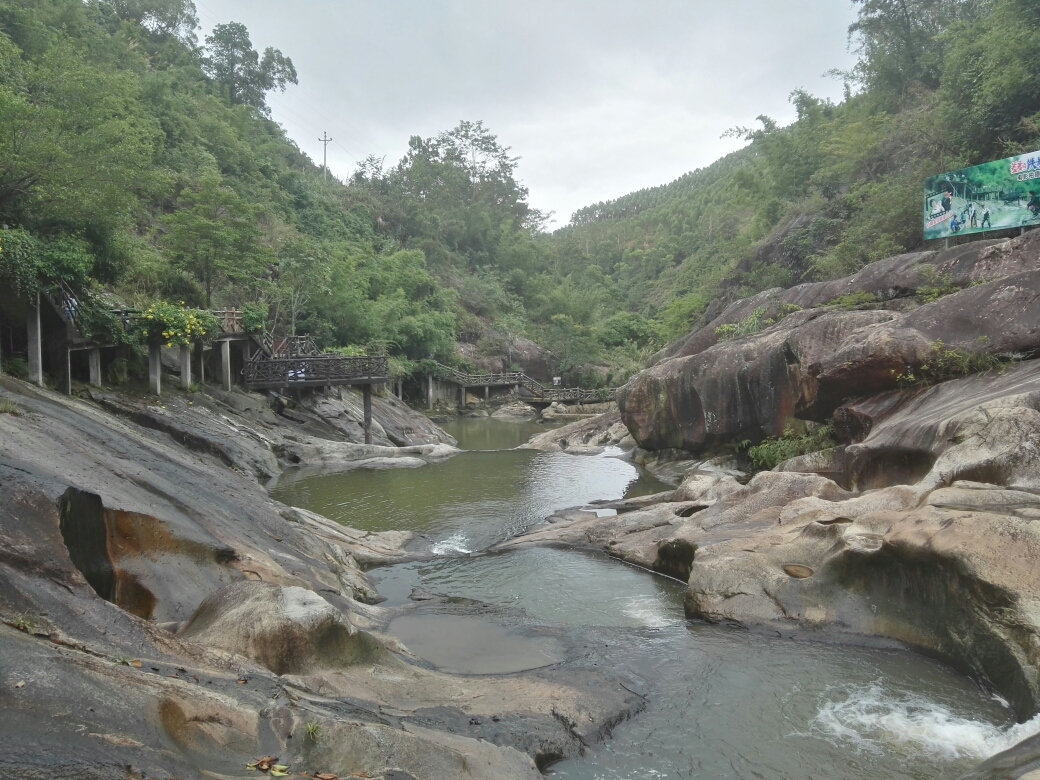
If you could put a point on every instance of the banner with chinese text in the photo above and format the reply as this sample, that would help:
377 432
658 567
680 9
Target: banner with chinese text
993 196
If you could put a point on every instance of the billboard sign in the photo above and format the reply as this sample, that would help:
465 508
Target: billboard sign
993 196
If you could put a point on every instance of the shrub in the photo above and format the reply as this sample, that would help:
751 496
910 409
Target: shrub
945 363
172 325
772 452
254 317
752 324
937 286
11 408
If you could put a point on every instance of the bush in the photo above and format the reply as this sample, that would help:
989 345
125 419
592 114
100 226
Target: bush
172 325
772 452
254 317
752 324
945 363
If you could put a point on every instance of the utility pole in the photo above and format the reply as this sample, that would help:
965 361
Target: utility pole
325 153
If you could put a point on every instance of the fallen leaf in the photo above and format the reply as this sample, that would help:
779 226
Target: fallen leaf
136 664
326 776
243 681
20 684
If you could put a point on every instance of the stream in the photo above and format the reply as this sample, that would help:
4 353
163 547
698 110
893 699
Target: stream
722 702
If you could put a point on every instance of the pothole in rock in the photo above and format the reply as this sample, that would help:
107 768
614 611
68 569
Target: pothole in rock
797 571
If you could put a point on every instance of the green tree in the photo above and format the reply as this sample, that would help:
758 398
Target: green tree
245 76
899 41
76 147
303 273
213 237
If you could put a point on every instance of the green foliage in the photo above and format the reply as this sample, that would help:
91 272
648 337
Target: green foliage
16 367
133 158
254 316
97 322
166 323
20 260
945 363
936 286
753 323
853 301
242 74
771 452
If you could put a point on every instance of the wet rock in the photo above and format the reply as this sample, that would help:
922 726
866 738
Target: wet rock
1020 762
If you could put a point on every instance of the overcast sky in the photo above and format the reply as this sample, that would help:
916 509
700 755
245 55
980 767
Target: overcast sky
597 97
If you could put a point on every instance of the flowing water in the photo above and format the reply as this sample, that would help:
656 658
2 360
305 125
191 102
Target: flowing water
722 702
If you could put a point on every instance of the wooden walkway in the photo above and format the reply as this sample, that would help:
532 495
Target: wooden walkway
519 379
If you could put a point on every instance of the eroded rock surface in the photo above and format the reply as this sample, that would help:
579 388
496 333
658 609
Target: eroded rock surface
936 544
160 612
586 437
707 395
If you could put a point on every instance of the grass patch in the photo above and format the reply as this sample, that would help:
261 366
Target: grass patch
751 324
852 301
11 408
771 452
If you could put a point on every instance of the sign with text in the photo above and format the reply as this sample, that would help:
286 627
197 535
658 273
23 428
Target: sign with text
993 196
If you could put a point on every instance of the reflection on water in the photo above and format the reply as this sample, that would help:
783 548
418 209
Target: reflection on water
721 702
474 433
468 502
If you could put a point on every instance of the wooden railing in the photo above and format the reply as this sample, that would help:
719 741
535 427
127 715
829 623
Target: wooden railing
536 388
314 370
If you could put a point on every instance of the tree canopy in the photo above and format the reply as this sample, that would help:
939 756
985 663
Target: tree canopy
132 157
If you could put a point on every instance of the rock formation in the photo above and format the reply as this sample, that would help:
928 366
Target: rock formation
161 616
919 526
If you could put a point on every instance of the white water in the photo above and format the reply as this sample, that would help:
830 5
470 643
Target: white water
871 719
456 544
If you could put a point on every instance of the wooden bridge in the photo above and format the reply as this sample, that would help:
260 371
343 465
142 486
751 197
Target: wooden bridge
540 393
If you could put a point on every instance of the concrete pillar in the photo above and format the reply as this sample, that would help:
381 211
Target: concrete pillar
94 361
225 365
68 371
487 391
429 389
516 388
32 325
185 366
155 369
367 393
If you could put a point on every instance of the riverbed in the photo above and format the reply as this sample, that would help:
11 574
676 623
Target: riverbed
722 702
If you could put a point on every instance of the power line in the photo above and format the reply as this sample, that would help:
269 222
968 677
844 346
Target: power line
308 97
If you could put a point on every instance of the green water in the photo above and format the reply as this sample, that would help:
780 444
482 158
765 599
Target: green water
722 702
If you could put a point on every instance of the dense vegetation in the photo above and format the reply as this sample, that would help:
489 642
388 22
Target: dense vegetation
135 158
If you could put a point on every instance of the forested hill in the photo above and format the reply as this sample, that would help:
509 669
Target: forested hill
940 84
140 163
